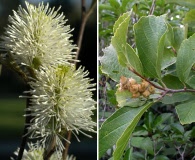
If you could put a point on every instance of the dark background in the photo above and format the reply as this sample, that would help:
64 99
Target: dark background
11 86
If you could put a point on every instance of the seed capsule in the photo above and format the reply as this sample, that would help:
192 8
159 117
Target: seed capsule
123 80
151 89
136 95
132 81
133 88
145 83
146 93
142 87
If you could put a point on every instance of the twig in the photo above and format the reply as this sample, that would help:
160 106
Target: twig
50 149
65 152
85 16
47 157
25 131
181 153
174 51
152 7
135 72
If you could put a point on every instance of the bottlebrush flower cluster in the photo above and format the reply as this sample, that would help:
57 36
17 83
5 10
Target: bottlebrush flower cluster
61 95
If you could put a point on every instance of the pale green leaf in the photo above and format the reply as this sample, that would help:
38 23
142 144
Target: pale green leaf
186 112
124 99
119 21
150 34
111 67
177 97
185 58
126 55
187 3
190 18
119 39
134 118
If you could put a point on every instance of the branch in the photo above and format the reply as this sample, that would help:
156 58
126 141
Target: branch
152 7
166 90
51 149
85 16
25 131
65 152
139 75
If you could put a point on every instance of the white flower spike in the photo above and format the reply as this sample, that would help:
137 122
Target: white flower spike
38 35
61 101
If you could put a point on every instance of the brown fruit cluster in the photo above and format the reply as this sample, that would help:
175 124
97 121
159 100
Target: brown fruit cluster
137 89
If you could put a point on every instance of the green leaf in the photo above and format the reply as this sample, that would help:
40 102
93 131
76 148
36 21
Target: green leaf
138 155
177 97
127 3
149 119
187 3
150 38
185 58
133 119
191 80
168 58
172 82
114 126
169 36
179 36
126 55
111 66
190 18
186 112
105 7
124 99
115 4
143 143
140 131
161 119
178 128
128 154
111 97
161 157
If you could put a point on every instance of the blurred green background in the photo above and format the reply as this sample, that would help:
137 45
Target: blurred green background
11 86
